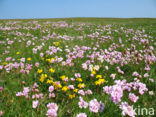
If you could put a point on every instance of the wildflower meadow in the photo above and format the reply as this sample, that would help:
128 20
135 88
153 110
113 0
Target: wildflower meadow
78 67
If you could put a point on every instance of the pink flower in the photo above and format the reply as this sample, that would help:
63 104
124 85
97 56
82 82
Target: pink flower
1 88
25 91
51 89
41 95
81 115
88 92
127 110
146 75
51 113
135 74
101 106
37 64
19 94
151 93
35 96
133 97
52 106
29 43
82 103
77 75
71 87
81 92
113 76
84 66
94 106
151 80
72 79
1 113
106 67
35 104
51 95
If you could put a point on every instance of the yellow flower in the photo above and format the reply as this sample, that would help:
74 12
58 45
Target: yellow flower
49 81
72 96
93 68
65 88
52 59
11 101
17 52
5 63
43 76
48 60
100 81
93 72
59 86
81 85
29 59
79 79
51 70
39 71
99 76
56 43
63 77
41 79
56 85
76 90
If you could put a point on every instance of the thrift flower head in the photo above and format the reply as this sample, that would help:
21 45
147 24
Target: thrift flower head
94 106
35 104
81 115
82 103
133 97
51 113
51 89
1 113
52 106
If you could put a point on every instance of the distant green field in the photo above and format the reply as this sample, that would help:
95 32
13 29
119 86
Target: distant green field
78 67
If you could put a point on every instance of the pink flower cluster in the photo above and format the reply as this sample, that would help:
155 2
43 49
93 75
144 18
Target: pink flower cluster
52 110
94 105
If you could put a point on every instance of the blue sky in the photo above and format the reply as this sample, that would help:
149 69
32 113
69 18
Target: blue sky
13 9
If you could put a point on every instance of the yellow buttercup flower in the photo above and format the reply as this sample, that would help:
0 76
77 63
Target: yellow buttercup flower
48 60
99 76
79 79
42 58
29 59
93 72
56 43
49 81
41 79
51 70
5 63
63 77
39 71
65 88
76 90
11 101
17 53
59 86
72 96
81 85
45 75
100 81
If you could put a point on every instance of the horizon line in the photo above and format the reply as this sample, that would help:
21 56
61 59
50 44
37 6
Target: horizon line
79 17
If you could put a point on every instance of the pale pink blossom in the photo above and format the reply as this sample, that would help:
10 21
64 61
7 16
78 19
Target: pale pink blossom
94 106
81 115
35 104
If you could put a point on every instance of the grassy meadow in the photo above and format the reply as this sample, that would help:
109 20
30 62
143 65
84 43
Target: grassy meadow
78 67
